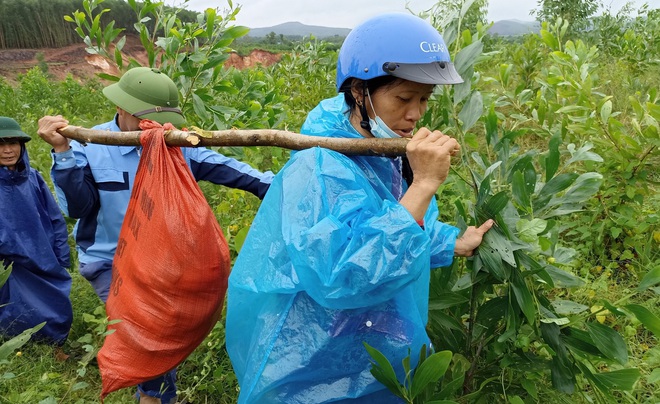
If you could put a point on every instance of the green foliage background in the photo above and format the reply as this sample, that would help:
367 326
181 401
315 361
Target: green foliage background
571 315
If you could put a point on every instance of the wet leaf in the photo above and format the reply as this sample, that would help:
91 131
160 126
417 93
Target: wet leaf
609 342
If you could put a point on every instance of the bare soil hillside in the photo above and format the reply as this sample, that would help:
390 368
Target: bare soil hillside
74 60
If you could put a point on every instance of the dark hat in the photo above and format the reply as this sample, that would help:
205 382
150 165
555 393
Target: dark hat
10 129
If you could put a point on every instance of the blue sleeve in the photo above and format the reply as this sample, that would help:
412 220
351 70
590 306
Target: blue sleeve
349 247
60 232
208 165
443 237
75 187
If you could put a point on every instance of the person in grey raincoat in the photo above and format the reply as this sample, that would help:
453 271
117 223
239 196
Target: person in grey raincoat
341 249
33 240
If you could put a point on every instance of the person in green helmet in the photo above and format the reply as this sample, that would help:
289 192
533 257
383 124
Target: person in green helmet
93 183
33 241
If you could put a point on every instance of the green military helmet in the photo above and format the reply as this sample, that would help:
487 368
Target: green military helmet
10 129
147 94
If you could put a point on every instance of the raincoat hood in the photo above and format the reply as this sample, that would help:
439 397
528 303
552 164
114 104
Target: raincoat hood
331 119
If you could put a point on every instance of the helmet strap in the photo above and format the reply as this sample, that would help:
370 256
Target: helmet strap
157 109
364 123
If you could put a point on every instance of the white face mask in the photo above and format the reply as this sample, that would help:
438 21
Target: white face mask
378 127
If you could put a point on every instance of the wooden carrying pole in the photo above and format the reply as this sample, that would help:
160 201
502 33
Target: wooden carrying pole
234 137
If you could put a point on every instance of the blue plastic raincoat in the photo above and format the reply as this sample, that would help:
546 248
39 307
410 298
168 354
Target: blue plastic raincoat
33 237
332 260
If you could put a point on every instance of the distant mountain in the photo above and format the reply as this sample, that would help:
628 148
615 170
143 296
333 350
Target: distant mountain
514 27
299 29
501 28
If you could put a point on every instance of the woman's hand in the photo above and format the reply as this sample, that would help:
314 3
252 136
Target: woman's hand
429 154
471 239
48 130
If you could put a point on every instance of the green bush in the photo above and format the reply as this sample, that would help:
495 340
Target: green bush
564 291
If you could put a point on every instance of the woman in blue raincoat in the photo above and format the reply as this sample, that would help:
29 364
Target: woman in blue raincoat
33 240
341 249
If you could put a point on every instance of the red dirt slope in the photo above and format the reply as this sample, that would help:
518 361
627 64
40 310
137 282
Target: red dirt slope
75 60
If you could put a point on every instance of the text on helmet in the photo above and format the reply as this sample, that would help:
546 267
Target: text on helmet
433 47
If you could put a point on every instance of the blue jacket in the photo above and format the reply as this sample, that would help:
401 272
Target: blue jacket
93 184
33 238
332 260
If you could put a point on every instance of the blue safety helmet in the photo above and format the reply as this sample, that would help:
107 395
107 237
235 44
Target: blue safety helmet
397 44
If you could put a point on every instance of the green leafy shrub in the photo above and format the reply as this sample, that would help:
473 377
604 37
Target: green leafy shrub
539 119
507 314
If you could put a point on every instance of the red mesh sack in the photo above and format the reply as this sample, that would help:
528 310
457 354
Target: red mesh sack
170 270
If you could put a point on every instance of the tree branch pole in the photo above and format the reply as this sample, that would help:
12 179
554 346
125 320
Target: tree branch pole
245 137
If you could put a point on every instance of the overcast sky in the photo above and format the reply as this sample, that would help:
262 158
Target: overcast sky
348 13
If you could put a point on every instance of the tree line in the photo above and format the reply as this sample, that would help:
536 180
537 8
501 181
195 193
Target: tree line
41 24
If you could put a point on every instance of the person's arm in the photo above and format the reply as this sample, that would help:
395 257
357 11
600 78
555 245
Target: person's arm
75 187
429 154
445 243
348 247
443 237
60 232
210 166
48 131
